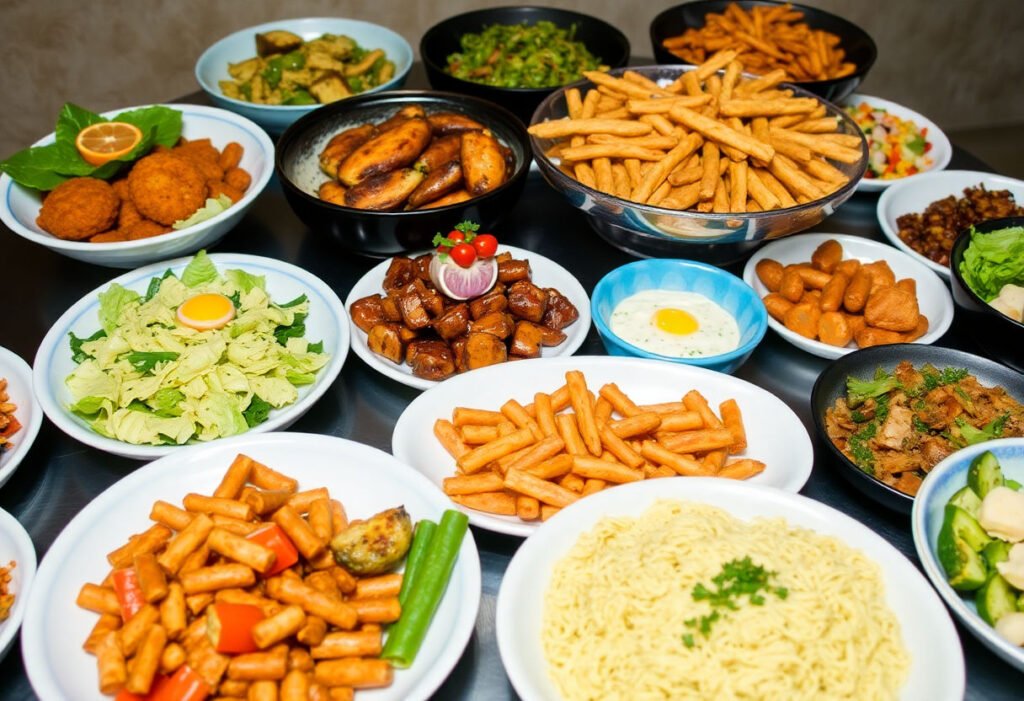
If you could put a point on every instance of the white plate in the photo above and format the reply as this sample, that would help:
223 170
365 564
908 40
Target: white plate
28 413
937 664
365 479
19 206
944 480
932 294
545 273
775 435
327 321
913 195
941 153
16 545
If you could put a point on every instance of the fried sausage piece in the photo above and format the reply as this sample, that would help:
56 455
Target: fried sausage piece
482 349
483 164
833 329
368 312
401 272
827 256
881 275
803 319
513 270
384 192
777 305
498 324
770 273
493 301
441 150
342 145
560 312
431 360
870 336
384 340
527 301
386 152
437 183
453 323
445 123
856 295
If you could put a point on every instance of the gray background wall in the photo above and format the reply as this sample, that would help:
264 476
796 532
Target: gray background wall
961 62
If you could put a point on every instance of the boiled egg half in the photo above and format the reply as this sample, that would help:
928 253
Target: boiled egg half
206 311
675 323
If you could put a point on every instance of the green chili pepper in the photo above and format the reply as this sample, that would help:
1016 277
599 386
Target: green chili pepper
420 542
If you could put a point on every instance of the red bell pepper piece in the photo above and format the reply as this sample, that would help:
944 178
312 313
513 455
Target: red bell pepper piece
184 685
129 594
274 538
125 695
229 627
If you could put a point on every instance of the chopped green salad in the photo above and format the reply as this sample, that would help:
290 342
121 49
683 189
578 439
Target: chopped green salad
197 357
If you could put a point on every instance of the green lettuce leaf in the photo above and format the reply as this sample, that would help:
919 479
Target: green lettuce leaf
212 207
154 285
144 362
113 300
317 347
163 124
296 330
89 406
992 260
300 378
199 271
77 354
244 281
257 412
295 302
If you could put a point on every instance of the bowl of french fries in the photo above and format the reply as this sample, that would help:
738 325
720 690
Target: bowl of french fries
819 51
665 157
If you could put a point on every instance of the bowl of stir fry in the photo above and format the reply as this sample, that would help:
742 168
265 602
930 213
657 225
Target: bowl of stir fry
517 56
275 73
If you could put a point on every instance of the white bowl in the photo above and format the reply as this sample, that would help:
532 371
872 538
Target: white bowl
944 480
367 481
913 195
545 273
19 206
212 66
16 545
775 435
327 321
28 413
937 664
932 294
941 153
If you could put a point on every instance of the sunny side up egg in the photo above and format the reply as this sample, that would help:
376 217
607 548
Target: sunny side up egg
675 323
206 311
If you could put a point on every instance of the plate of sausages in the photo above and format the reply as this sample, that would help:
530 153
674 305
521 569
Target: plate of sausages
408 330
830 294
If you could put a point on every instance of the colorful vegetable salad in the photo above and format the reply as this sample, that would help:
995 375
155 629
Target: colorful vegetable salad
896 147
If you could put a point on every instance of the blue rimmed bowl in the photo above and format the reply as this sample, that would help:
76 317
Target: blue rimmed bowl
942 482
723 288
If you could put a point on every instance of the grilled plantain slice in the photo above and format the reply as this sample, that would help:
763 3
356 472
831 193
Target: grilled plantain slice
400 117
342 145
385 191
440 152
444 123
386 152
334 192
483 162
437 183
376 545
454 198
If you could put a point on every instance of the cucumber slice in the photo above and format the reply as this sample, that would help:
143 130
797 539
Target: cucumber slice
984 474
1020 603
1012 484
966 528
995 599
967 500
965 568
996 551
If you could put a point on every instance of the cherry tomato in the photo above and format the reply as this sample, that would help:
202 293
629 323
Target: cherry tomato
456 236
443 249
486 245
464 255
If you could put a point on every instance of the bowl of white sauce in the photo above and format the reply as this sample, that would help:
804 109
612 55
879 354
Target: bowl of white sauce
679 311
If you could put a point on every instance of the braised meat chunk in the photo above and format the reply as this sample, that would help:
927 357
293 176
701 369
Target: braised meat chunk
385 340
497 324
510 270
527 340
368 312
560 312
527 301
488 303
431 360
400 273
414 315
483 349
453 323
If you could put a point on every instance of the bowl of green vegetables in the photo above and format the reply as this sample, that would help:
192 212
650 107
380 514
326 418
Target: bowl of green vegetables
517 56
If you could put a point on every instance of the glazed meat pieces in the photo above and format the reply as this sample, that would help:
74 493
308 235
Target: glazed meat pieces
79 208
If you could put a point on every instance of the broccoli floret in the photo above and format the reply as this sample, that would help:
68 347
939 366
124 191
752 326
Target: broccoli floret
859 391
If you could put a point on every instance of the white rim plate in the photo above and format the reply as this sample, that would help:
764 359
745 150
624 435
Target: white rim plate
913 195
933 296
944 480
15 544
774 433
367 480
941 153
545 273
28 413
937 664
327 321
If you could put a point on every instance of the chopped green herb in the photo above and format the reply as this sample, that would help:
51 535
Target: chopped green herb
737 578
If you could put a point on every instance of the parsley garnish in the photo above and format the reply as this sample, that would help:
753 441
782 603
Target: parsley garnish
737 579
468 228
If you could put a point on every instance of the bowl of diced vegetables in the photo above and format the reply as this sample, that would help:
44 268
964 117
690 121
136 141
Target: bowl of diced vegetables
901 142
276 72
968 524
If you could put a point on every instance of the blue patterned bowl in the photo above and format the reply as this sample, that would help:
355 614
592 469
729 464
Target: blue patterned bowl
926 519
723 288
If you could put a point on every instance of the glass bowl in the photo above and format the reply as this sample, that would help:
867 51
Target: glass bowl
646 230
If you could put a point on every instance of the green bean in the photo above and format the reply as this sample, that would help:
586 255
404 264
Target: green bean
420 543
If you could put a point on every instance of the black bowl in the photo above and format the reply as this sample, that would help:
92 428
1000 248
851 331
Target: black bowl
859 46
601 39
997 334
831 385
383 234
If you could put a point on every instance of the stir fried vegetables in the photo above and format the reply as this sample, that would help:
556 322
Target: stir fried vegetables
897 147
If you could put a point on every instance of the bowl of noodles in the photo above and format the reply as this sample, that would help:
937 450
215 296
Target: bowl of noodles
696 588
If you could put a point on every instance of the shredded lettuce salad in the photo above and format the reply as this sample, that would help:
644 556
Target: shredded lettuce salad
146 379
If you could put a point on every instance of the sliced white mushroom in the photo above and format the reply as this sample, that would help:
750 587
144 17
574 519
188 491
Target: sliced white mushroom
1011 627
1002 514
1012 569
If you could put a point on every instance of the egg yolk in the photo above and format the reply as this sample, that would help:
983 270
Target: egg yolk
675 321
206 311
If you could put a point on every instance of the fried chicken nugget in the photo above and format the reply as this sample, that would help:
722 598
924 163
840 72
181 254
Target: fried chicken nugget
144 229
892 309
166 187
79 209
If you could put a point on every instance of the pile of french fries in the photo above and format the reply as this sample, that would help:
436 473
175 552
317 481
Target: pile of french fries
769 38
709 141
320 635
530 461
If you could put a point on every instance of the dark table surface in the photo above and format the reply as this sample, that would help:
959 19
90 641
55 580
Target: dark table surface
60 476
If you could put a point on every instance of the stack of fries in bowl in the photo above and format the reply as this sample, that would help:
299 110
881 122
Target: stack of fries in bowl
665 157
